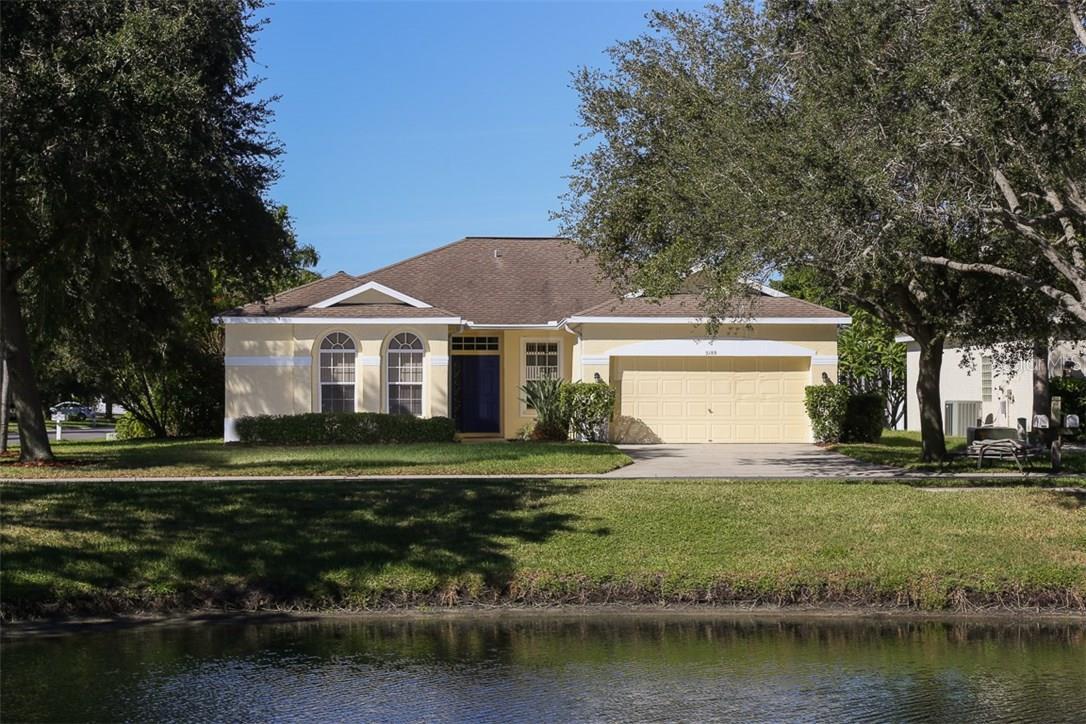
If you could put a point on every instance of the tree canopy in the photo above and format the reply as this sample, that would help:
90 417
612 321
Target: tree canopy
739 141
135 175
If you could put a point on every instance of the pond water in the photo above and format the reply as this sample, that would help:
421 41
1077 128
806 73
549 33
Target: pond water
553 669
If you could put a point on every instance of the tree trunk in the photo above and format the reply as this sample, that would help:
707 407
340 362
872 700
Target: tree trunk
931 406
5 401
33 437
1042 398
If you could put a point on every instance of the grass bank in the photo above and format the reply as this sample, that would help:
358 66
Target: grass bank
901 448
123 548
211 458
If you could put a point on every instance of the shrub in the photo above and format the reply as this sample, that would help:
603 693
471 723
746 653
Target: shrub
545 397
526 432
317 428
129 428
865 418
826 406
1072 392
588 406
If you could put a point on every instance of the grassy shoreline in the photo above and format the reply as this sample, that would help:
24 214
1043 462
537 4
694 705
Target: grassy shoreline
121 549
35 628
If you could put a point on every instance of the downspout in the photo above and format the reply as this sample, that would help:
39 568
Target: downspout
567 327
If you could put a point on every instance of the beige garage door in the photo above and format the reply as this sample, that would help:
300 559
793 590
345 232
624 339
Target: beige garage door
712 399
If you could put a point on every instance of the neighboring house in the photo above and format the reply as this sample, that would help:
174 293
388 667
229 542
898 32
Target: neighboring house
458 330
973 387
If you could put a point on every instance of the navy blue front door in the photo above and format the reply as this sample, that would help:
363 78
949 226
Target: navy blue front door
476 394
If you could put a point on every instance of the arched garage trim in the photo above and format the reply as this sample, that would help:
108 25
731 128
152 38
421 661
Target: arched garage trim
705 347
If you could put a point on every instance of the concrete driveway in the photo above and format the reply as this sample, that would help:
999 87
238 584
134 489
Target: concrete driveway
744 461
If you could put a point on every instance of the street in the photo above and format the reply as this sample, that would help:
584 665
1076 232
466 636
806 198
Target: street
79 434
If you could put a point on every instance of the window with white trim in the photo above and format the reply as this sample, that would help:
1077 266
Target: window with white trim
986 378
337 355
404 370
541 361
474 344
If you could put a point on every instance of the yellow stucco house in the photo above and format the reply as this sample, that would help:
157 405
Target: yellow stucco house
458 330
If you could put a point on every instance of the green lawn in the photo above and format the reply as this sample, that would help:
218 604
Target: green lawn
101 547
210 458
902 449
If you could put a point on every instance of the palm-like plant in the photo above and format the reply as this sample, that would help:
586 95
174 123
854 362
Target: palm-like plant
545 397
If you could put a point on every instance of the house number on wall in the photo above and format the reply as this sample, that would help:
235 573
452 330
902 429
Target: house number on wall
710 353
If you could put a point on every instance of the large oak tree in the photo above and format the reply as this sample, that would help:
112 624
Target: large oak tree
135 169
739 141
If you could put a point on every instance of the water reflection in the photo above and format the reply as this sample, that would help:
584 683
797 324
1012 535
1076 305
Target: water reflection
537 668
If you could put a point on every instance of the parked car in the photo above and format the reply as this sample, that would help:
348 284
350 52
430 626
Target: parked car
72 410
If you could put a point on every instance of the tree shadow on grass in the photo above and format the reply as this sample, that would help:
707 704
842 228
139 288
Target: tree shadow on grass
200 456
289 540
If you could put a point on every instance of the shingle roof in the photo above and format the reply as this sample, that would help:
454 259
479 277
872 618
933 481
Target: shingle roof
527 281
499 280
689 305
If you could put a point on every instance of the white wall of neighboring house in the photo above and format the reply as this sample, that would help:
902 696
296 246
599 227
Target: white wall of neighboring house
1009 395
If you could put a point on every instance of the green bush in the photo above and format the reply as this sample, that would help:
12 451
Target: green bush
1072 392
865 418
545 397
588 406
129 428
316 428
827 406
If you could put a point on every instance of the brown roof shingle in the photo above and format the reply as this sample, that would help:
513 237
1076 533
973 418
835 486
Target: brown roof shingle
501 280
490 280
690 305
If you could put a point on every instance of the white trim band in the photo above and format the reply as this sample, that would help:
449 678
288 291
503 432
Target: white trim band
596 360
548 325
401 321
824 359
439 360
703 320
717 347
266 361
370 360
374 286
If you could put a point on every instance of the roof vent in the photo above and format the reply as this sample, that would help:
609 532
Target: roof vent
497 253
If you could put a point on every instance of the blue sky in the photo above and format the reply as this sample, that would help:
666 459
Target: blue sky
409 125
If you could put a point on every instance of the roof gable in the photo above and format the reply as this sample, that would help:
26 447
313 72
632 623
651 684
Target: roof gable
370 292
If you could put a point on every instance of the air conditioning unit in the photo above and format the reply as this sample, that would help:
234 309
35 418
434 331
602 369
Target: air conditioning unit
960 415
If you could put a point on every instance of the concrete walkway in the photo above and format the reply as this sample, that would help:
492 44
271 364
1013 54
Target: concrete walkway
737 461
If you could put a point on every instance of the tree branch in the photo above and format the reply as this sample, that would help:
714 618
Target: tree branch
1069 235
1075 306
1076 23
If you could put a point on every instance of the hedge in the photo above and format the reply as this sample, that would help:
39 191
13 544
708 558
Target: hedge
865 418
826 406
316 428
837 415
588 405
129 428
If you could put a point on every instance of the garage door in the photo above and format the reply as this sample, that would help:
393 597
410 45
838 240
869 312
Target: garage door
712 399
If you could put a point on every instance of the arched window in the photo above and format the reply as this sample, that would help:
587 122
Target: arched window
337 373
405 375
